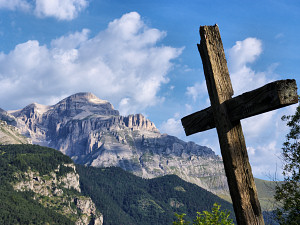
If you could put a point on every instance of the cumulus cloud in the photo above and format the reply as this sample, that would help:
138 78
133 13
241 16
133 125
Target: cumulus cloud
71 41
172 127
240 56
15 5
123 64
59 9
62 10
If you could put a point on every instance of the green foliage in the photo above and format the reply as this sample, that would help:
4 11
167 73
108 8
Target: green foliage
216 217
124 198
180 220
20 207
63 170
40 159
289 192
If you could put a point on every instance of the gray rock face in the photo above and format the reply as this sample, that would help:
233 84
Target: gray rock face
93 133
11 135
75 206
9 119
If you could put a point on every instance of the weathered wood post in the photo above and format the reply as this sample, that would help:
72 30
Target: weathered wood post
225 114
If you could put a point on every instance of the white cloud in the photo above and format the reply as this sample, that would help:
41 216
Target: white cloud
71 41
265 160
15 5
242 76
124 106
172 127
244 52
62 10
197 90
59 9
257 124
123 64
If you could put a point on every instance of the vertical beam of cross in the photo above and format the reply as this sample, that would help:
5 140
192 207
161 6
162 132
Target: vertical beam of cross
232 143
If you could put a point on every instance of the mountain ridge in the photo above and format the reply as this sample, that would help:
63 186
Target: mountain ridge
93 133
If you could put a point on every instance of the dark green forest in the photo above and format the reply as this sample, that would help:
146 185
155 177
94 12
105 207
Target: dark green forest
124 198
19 207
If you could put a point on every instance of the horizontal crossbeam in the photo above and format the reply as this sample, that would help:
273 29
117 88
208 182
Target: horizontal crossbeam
272 96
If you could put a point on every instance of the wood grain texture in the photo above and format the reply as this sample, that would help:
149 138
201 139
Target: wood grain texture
198 121
271 96
233 148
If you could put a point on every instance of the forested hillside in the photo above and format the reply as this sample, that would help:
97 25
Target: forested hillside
39 185
120 196
19 207
124 198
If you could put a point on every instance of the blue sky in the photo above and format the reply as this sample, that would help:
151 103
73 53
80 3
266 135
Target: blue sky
142 57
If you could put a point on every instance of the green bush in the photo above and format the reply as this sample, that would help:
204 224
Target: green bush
216 217
288 193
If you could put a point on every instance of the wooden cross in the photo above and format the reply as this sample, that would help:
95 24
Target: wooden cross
225 114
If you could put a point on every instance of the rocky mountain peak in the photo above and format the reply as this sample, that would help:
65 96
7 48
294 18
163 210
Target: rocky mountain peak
86 97
139 122
84 104
33 110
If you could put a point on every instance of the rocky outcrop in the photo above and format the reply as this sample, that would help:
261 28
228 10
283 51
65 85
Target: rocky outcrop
60 192
138 122
11 135
92 132
9 119
87 207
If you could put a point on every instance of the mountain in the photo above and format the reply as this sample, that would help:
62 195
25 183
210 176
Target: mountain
93 133
40 185
9 119
9 133
124 198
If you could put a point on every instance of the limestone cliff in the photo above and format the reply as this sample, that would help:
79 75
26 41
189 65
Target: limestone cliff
92 132
60 191
11 135
9 119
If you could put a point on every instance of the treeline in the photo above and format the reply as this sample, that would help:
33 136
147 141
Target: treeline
127 199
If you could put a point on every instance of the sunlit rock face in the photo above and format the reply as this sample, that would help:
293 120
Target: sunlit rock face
10 134
92 132
80 208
